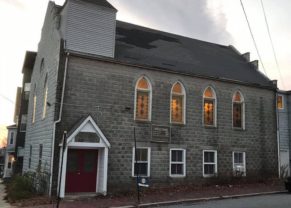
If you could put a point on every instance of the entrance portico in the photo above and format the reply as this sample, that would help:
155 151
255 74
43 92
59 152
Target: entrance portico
85 160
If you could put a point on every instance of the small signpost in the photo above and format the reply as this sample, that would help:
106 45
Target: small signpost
143 182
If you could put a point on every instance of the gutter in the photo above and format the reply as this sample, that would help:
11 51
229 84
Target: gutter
56 122
278 136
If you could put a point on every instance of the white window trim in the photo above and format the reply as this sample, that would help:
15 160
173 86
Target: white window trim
183 163
282 102
149 161
215 107
150 99
210 163
34 109
184 103
44 110
244 162
243 110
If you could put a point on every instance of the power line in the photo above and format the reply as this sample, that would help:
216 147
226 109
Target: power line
273 48
6 98
260 58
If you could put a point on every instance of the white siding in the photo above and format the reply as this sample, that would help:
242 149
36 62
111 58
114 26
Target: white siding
89 28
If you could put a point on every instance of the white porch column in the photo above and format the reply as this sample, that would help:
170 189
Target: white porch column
105 171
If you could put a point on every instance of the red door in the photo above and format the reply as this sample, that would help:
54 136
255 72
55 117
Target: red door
81 170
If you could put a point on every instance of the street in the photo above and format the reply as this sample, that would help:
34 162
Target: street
268 201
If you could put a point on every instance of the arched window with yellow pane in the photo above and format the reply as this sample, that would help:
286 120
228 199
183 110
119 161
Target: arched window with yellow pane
238 110
209 107
143 99
178 103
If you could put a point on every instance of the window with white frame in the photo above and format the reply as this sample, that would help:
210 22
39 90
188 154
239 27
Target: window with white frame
45 91
239 163
178 103
11 138
209 163
34 108
141 161
238 110
209 107
143 100
177 162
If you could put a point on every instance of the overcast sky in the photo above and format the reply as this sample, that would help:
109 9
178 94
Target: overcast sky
219 21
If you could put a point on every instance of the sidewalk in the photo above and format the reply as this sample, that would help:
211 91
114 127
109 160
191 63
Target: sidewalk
174 195
3 203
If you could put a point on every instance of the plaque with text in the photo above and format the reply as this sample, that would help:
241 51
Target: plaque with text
161 133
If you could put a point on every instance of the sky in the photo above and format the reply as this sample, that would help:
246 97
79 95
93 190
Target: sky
218 21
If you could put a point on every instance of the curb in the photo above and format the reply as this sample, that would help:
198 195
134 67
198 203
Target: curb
185 201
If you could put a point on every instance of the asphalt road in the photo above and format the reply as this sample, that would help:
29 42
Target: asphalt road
268 201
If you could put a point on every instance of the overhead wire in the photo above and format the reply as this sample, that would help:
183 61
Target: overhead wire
272 44
254 41
6 98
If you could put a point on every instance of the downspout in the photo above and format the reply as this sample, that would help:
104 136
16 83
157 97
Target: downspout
56 122
278 136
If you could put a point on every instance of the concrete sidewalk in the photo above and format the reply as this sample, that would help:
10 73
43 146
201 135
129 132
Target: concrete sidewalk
3 203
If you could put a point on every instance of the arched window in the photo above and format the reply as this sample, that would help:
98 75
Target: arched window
209 107
238 110
178 103
45 89
143 101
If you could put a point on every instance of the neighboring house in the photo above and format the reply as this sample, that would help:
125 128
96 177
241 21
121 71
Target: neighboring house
284 131
196 109
22 106
10 151
2 160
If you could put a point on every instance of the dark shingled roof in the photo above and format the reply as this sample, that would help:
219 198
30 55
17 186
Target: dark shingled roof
143 46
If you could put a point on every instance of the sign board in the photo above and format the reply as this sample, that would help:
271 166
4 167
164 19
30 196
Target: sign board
143 181
161 133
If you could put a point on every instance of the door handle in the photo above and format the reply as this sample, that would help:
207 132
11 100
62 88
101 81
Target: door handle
79 173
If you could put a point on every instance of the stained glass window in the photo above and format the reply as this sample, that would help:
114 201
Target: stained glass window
209 107
177 103
237 110
143 96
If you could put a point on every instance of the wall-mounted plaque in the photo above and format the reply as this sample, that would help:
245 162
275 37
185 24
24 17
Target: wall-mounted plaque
161 133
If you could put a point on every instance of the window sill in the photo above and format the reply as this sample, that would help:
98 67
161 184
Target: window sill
177 124
210 175
177 176
210 127
238 129
142 121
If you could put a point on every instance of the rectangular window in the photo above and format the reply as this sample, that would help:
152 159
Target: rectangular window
30 155
239 163
11 138
237 115
34 109
209 163
177 162
177 109
40 156
141 162
209 106
142 105
280 104
23 123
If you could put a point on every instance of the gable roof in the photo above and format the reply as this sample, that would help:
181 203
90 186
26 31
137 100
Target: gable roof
103 3
143 46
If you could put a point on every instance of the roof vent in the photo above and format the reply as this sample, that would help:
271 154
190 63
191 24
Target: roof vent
254 64
246 56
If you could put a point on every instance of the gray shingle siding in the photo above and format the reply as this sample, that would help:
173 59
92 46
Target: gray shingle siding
106 91
41 131
284 123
